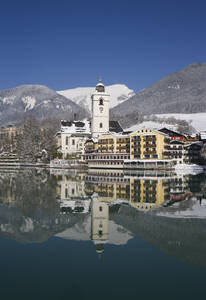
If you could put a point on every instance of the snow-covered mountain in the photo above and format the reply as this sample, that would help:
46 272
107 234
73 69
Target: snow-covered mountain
181 92
118 235
82 95
37 100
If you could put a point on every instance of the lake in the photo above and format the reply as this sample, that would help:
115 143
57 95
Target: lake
71 234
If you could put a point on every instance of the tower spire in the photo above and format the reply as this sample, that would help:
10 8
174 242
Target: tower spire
100 78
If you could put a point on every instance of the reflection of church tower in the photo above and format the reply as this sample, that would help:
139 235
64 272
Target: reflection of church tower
100 110
99 228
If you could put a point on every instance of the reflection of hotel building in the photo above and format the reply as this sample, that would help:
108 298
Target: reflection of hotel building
143 192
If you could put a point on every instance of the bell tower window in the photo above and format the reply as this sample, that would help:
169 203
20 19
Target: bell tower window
101 101
100 125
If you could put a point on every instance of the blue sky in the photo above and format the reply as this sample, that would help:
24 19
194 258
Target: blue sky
65 44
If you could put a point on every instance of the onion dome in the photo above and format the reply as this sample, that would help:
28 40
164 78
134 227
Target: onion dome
100 86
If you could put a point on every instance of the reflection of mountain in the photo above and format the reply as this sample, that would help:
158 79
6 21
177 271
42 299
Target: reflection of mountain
17 225
118 235
183 238
31 210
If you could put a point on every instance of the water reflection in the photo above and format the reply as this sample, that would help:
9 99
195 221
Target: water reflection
107 207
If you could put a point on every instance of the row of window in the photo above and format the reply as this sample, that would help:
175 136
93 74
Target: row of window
108 157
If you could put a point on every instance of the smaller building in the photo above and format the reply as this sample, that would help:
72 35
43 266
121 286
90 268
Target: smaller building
192 152
9 132
73 137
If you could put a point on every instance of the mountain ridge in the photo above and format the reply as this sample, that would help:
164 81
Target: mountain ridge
37 100
180 92
82 95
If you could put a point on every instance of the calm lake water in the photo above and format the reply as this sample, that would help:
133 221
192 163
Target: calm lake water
102 235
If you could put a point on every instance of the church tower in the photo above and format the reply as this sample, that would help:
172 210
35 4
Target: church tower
99 224
100 110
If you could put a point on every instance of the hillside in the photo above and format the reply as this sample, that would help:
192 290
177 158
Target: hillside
37 100
82 95
180 92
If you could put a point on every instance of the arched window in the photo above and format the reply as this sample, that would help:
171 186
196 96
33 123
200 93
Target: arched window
100 125
101 102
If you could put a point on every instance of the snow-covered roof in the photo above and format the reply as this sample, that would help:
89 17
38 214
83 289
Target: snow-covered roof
203 135
75 127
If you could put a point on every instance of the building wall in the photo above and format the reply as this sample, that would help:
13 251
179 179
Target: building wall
69 189
9 132
148 144
100 114
72 144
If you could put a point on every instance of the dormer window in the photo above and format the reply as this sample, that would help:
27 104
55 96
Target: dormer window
101 101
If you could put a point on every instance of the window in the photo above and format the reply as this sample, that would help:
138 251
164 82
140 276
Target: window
101 102
67 140
66 193
100 208
73 142
100 125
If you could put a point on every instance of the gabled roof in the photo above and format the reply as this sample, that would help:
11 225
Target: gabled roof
171 132
114 126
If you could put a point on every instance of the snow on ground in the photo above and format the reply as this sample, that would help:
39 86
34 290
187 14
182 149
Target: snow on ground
195 209
9 100
186 169
198 119
198 122
150 125
29 102
82 95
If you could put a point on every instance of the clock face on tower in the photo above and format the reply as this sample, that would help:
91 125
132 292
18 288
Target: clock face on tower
101 109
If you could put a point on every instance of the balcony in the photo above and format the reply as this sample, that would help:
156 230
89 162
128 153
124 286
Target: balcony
123 141
136 138
149 146
149 152
149 138
166 153
167 147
